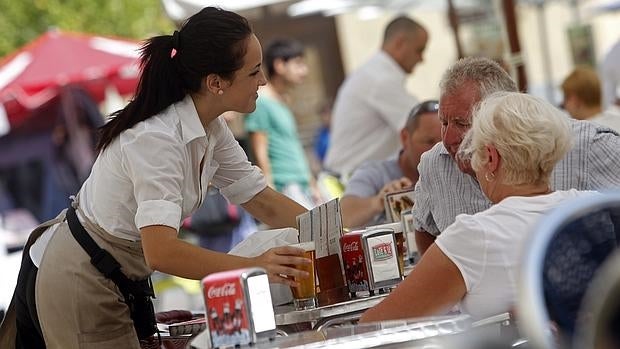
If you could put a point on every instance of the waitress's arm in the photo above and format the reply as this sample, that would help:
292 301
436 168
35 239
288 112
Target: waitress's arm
274 209
433 287
165 252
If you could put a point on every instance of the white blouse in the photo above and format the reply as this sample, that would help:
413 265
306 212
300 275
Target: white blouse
487 249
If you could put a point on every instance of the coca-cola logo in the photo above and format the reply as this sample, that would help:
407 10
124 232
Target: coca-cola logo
352 246
228 289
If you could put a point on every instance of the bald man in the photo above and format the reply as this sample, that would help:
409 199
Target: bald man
372 104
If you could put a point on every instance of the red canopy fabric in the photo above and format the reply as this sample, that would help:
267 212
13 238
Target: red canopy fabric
33 75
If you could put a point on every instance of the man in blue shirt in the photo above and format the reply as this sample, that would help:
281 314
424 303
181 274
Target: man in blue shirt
362 203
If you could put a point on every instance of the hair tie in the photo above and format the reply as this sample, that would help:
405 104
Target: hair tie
175 43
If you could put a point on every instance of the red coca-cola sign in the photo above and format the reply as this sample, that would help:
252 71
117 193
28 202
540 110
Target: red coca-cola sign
351 247
354 262
225 290
227 308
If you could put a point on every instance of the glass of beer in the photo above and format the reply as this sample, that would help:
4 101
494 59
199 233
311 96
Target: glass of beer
304 295
401 250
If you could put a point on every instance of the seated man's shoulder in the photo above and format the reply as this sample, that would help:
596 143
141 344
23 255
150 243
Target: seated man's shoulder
585 129
436 155
371 168
367 179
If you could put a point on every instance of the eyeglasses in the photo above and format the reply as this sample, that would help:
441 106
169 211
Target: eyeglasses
431 106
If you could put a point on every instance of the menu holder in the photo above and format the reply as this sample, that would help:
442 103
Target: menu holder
397 202
323 225
371 260
412 248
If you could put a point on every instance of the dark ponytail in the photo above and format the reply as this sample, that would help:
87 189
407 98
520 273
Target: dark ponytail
213 41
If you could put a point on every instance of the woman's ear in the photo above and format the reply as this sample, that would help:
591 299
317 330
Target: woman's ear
213 83
493 158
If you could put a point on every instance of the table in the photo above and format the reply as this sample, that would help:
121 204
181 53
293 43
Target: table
323 316
326 316
413 333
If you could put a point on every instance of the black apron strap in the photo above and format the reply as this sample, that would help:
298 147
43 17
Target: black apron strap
104 261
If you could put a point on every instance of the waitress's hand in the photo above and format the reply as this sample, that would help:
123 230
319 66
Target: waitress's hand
279 263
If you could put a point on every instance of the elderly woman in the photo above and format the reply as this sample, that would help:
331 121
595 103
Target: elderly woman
514 143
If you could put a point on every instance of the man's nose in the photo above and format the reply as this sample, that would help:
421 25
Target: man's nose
450 135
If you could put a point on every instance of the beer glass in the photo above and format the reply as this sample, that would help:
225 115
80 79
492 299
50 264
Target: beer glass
304 295
401 250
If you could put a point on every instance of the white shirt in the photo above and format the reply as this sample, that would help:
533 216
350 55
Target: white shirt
609 118
371 108
150 174
487 247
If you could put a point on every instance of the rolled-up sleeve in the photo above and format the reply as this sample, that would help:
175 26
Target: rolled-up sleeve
243 190
158 212
236 178
153 161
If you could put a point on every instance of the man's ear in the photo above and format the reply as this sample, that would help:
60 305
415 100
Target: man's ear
279 65
404 137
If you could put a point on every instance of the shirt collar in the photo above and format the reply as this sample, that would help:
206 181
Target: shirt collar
443 150
389 63
191 127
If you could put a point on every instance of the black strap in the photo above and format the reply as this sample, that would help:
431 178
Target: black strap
104 261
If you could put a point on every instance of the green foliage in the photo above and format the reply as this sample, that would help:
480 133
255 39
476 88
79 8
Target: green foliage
21 21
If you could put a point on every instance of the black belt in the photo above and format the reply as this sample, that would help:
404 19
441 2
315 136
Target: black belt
103 260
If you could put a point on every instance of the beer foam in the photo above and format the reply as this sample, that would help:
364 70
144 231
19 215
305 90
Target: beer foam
306 246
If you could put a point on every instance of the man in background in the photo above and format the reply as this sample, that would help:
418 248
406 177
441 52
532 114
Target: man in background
372 103
272 128
363 201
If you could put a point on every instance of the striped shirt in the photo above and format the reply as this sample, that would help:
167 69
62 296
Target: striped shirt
443 191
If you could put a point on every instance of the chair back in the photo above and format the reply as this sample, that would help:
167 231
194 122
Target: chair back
559 262
599 326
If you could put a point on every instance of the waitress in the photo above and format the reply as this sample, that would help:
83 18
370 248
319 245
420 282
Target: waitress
156 159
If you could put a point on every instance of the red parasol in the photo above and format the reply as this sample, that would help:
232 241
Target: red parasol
33 76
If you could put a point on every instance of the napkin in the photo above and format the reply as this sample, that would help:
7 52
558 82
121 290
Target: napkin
261 241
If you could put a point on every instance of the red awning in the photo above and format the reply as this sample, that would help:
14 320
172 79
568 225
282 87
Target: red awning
32 76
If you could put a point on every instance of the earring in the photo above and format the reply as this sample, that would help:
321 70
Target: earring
220 92
489 176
